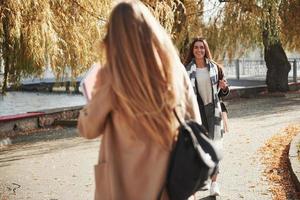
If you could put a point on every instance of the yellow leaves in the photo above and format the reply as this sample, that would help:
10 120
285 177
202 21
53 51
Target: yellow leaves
274 156
56 31
290 18
163 11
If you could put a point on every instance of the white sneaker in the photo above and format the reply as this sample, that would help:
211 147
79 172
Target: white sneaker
214 189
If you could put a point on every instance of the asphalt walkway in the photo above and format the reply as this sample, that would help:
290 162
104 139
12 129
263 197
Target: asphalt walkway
63 168
252 123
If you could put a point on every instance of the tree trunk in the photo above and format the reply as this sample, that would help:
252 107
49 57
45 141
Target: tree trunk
178 31
5 50
278 66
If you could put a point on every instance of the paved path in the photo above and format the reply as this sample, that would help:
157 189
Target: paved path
252 123
62 169
49 170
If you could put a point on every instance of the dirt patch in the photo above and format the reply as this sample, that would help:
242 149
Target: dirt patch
274 155
15 134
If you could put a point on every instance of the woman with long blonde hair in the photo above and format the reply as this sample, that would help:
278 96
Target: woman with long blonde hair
132 105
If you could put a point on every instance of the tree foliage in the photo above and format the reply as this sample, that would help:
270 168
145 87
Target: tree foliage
182 19
246 24
36 34
289 13
241 24
57 33
62 34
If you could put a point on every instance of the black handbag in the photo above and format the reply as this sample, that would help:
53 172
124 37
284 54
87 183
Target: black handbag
193 161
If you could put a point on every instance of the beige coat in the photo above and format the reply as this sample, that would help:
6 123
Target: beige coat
131 166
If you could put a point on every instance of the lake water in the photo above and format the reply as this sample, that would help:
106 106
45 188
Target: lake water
22 102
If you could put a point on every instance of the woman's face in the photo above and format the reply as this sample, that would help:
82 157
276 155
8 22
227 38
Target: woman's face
199 50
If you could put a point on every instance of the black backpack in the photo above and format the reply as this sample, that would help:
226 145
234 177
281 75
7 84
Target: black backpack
193 161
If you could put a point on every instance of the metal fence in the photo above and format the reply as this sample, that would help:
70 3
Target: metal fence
256 69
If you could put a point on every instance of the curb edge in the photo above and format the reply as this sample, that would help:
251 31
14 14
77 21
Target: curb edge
294 161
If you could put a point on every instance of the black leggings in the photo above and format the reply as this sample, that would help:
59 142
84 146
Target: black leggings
210 125
210 117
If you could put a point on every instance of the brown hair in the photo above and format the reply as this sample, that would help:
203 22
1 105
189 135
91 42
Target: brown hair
190 54
141 59
207 55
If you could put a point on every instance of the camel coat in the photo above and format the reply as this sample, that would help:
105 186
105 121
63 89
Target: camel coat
131 166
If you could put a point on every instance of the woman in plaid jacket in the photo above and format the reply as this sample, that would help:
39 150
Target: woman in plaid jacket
209 85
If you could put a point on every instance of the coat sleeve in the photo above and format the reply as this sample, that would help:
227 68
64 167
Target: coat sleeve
93 117
225 92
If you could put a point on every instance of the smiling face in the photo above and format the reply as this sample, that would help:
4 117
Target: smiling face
199 50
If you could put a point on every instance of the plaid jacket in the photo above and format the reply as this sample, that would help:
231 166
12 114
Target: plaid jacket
214 73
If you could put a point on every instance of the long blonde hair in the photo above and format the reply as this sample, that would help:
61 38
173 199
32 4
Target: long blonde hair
141 58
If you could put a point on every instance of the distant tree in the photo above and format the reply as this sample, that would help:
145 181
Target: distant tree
39 33
181 18
191 25
272 24
289 13
60 34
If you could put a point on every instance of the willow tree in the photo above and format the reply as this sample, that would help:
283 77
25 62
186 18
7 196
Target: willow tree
181 18
190 25
57 33
290 17
35 34
251 23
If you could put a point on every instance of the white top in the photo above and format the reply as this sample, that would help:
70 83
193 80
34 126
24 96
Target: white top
204 85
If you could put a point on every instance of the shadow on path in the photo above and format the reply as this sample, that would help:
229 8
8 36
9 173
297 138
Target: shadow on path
208 198
262 106
42 146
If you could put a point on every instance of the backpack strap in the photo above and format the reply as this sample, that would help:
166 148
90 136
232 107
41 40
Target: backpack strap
177 117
